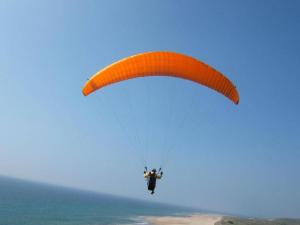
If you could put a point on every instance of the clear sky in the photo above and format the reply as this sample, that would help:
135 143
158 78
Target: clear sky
241 159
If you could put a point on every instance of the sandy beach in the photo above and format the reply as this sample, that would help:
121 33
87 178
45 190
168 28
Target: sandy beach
187 220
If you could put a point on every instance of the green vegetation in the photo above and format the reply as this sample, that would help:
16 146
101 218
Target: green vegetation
252 221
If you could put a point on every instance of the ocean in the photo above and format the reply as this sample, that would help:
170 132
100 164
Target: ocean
29 203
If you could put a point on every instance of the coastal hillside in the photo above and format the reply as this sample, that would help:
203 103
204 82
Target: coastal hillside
252 221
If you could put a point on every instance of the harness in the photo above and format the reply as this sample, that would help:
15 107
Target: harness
152 182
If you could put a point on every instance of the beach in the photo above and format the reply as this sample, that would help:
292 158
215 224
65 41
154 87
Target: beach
210 219
184 220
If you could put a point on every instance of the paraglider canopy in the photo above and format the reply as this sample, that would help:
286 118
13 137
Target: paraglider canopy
162 64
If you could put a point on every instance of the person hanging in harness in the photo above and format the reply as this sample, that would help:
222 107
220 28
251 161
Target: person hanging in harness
151 177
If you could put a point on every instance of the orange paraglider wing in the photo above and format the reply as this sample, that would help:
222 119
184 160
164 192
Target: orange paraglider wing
162 64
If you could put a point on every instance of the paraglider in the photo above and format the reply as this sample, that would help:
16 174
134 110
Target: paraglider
161 63
151 177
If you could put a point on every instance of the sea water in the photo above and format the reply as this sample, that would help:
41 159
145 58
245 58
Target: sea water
29 203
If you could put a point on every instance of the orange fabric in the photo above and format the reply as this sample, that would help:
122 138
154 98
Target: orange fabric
162 64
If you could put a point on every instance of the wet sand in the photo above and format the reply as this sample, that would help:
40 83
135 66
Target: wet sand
187 220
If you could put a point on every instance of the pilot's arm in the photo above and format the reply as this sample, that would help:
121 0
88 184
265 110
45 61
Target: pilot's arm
159 176
146 174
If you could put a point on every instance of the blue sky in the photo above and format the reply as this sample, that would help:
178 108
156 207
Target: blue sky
240 159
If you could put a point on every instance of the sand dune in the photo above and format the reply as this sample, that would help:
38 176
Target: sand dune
188 220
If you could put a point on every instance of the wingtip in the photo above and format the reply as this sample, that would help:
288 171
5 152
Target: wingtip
83 92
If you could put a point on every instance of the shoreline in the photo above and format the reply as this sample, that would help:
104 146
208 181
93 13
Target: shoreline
194 219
